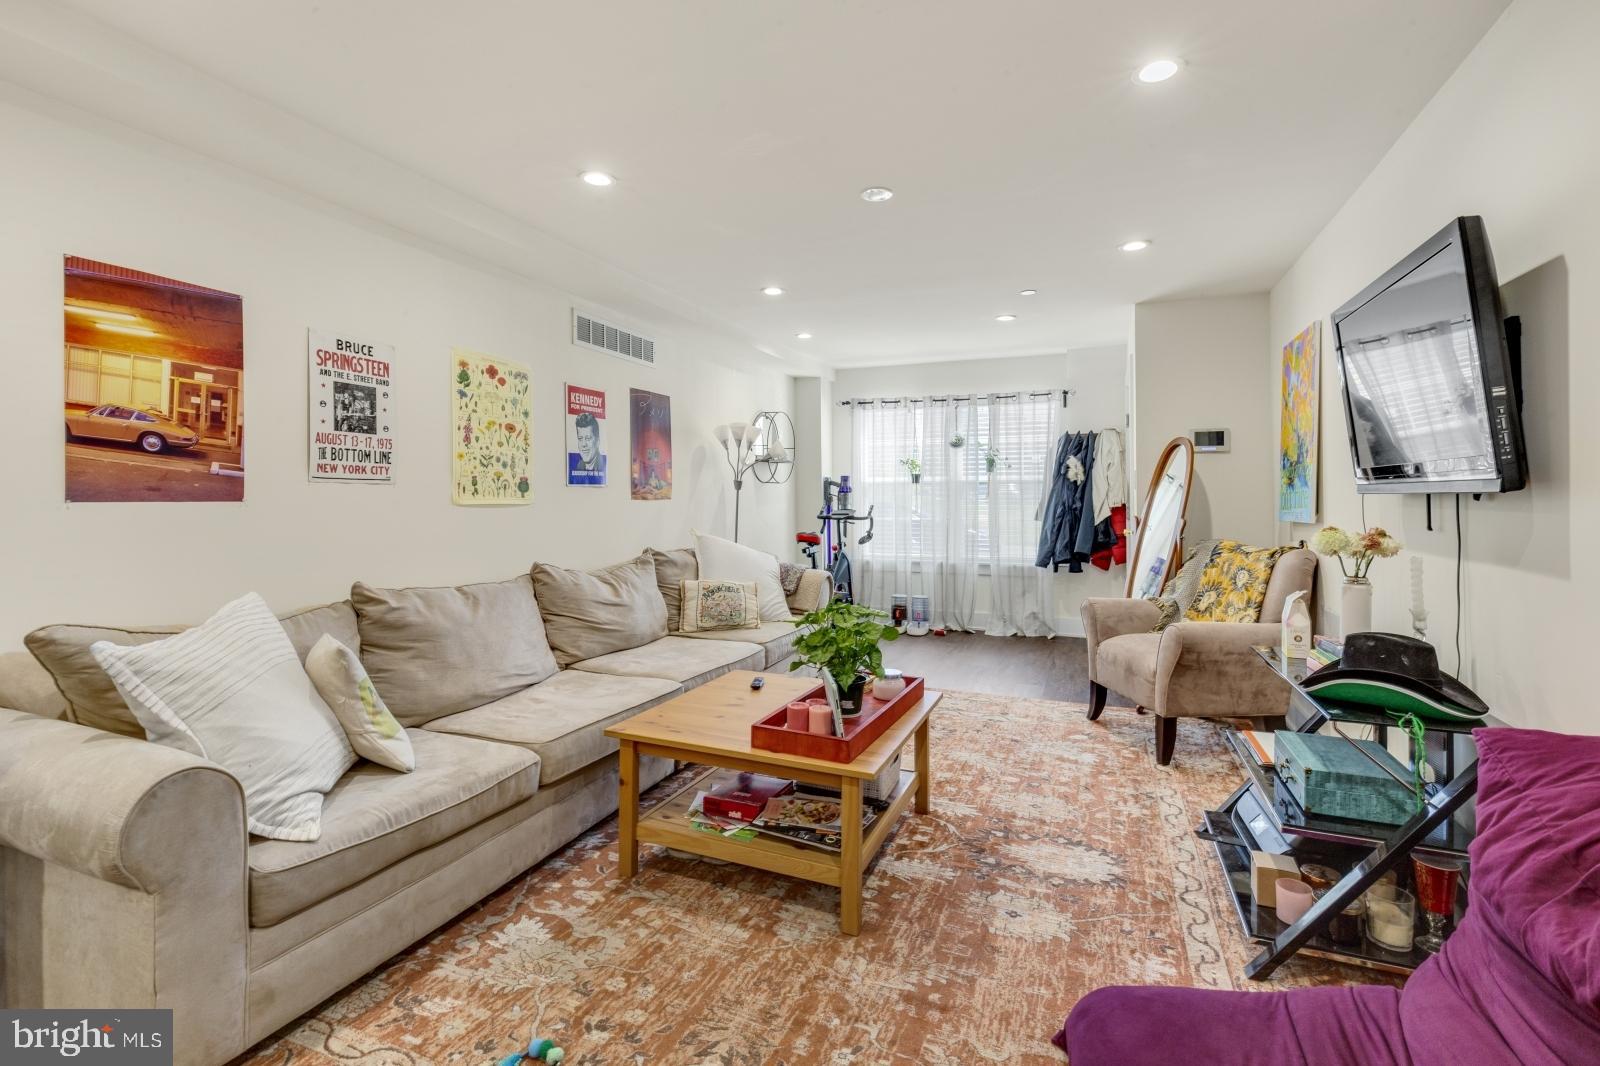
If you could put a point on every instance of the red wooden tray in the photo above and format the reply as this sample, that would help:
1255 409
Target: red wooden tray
772 733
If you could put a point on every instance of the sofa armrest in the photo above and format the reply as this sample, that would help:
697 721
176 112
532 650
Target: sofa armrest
813 592
98 803
1106 617
124 880
1211 668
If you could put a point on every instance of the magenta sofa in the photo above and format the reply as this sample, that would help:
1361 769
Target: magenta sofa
1517 984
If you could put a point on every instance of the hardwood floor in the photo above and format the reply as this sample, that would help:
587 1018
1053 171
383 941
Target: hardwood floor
1033 667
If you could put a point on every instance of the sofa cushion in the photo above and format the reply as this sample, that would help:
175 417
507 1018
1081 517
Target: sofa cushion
775 638
336 620
592 612
93 700
683 659
673 568
1127 664
25 685
375 817
562 720
436 651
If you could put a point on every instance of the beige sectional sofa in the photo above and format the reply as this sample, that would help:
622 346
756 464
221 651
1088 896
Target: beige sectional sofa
127 877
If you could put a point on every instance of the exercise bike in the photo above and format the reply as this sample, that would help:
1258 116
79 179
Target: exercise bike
834 536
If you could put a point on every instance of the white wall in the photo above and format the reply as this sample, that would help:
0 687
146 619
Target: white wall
1098 376
125 199
1511 137
1197 368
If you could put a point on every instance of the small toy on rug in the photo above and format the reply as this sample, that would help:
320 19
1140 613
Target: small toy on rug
542 1050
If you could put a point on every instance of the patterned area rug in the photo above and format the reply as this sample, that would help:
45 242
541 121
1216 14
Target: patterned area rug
1058 858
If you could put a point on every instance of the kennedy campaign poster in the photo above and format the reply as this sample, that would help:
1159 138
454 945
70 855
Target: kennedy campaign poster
352 405
586 444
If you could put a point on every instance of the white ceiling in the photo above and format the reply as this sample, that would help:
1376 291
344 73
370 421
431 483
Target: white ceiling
1020 149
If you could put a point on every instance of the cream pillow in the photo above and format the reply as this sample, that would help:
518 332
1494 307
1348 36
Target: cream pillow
344 686
232 690
719 605
723 560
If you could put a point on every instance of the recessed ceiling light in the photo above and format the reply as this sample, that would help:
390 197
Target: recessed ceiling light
1005 318
772 290
877 194
803 336
1028 292
1135 246
597 177
1158 70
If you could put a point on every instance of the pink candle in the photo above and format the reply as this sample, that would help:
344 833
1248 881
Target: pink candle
821 720
799 716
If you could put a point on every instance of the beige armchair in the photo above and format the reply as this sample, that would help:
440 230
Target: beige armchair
1191 669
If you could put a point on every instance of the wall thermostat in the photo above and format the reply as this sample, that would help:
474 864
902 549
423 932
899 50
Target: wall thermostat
1210 440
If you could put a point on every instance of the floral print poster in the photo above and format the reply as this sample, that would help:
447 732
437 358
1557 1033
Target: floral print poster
492 450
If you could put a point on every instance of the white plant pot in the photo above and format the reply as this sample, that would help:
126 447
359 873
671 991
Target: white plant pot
1355 607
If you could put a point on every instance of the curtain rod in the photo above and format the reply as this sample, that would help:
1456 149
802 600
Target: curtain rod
1066 396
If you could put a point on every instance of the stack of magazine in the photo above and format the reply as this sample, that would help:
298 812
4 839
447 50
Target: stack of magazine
811 818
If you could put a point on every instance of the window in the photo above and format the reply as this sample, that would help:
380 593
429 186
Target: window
979 475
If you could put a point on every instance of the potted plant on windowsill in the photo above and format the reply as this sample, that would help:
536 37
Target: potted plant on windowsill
913 467
840 640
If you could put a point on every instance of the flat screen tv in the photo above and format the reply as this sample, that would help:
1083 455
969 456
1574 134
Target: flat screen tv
1430 382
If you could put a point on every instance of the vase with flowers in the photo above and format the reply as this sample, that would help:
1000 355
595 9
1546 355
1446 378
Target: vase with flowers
1355 552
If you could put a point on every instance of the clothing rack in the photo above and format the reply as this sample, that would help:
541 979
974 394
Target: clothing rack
1066 398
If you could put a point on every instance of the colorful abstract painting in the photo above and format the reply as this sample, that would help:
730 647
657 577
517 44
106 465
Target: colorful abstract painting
490 441
650 419
1297 441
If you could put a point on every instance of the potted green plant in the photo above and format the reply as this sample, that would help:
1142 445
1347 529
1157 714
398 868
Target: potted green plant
841 641
913 467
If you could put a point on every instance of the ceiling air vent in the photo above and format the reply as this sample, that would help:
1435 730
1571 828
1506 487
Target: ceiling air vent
590 332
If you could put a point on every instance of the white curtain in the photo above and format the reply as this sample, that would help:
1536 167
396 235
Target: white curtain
964 531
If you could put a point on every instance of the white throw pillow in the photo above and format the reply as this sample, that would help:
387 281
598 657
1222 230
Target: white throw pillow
343 684
232 690
723 560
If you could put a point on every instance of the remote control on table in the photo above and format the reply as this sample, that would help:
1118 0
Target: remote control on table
757 682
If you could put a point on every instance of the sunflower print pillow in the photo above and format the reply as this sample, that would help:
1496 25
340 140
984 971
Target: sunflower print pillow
1233 584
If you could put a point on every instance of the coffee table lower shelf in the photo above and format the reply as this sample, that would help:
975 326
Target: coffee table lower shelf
668 824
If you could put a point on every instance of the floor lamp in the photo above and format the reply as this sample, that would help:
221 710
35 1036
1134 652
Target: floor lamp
760 445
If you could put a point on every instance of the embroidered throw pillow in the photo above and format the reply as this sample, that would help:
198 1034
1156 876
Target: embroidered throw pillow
232 690
344 686
1234 583
710 604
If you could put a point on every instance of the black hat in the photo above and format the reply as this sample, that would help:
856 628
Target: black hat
1398 673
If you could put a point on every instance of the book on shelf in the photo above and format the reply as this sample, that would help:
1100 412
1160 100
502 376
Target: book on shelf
744 796
1260 745
814 821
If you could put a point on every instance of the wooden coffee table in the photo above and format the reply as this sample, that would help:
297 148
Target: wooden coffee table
711 724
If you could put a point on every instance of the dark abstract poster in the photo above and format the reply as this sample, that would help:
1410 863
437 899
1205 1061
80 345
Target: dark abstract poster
650 419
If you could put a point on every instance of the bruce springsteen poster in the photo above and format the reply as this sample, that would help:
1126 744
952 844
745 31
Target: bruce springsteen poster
352 409
650 419
586 445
